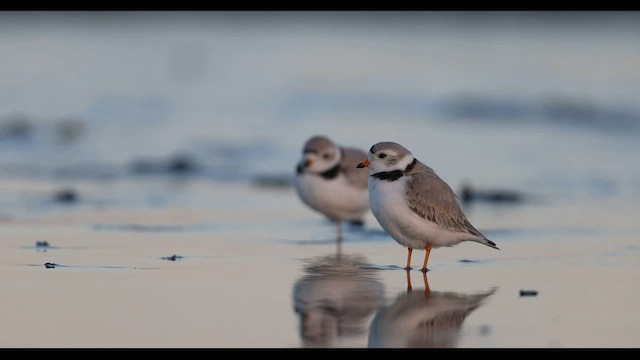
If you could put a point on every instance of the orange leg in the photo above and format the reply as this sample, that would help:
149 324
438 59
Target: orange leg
426 258
339 228
408 280
409 259
427 291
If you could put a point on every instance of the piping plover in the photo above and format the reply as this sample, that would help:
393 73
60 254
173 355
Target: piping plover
327 181
417 208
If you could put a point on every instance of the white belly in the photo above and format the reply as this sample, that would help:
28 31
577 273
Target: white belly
335 198
389 206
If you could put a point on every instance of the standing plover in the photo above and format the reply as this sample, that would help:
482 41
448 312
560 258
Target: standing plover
417 208
327 181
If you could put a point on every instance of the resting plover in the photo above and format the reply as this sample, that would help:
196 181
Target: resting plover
327 181
417 208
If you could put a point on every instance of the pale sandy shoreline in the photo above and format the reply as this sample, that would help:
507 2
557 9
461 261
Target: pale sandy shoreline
235 285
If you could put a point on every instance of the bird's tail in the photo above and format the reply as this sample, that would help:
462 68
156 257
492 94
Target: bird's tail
487 242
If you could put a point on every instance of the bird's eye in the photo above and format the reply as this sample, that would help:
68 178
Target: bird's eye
382 156
326 156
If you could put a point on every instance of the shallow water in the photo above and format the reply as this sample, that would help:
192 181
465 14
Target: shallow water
190 127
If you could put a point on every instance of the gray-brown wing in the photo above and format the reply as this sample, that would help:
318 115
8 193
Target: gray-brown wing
350 160
432 199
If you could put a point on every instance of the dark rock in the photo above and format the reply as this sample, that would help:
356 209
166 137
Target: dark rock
173 257
65 196
528 293
16 127
181 164
50 265
469 195
42 244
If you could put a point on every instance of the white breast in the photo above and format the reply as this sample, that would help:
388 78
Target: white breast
390 207
335 198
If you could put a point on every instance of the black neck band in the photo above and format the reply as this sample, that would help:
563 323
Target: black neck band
411 166
331 173
396 174
334 171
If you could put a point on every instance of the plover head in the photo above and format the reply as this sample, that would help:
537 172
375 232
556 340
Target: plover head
319 155
386 157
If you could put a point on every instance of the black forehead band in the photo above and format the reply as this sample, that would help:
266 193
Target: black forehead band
371 150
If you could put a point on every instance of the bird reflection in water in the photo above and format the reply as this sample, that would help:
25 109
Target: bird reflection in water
335 298
425 319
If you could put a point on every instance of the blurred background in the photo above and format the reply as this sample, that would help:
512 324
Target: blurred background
545 101
126 137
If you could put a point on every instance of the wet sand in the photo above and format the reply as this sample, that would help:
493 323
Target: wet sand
266 273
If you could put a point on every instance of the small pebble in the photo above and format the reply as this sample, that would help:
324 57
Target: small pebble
173 257
528 293
181 164
66 196
50 265
469 195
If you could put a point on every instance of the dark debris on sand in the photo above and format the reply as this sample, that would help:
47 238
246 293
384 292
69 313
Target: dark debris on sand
173 257
178 164
16 127
43 244
524 293
65 196
50 265
496 196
